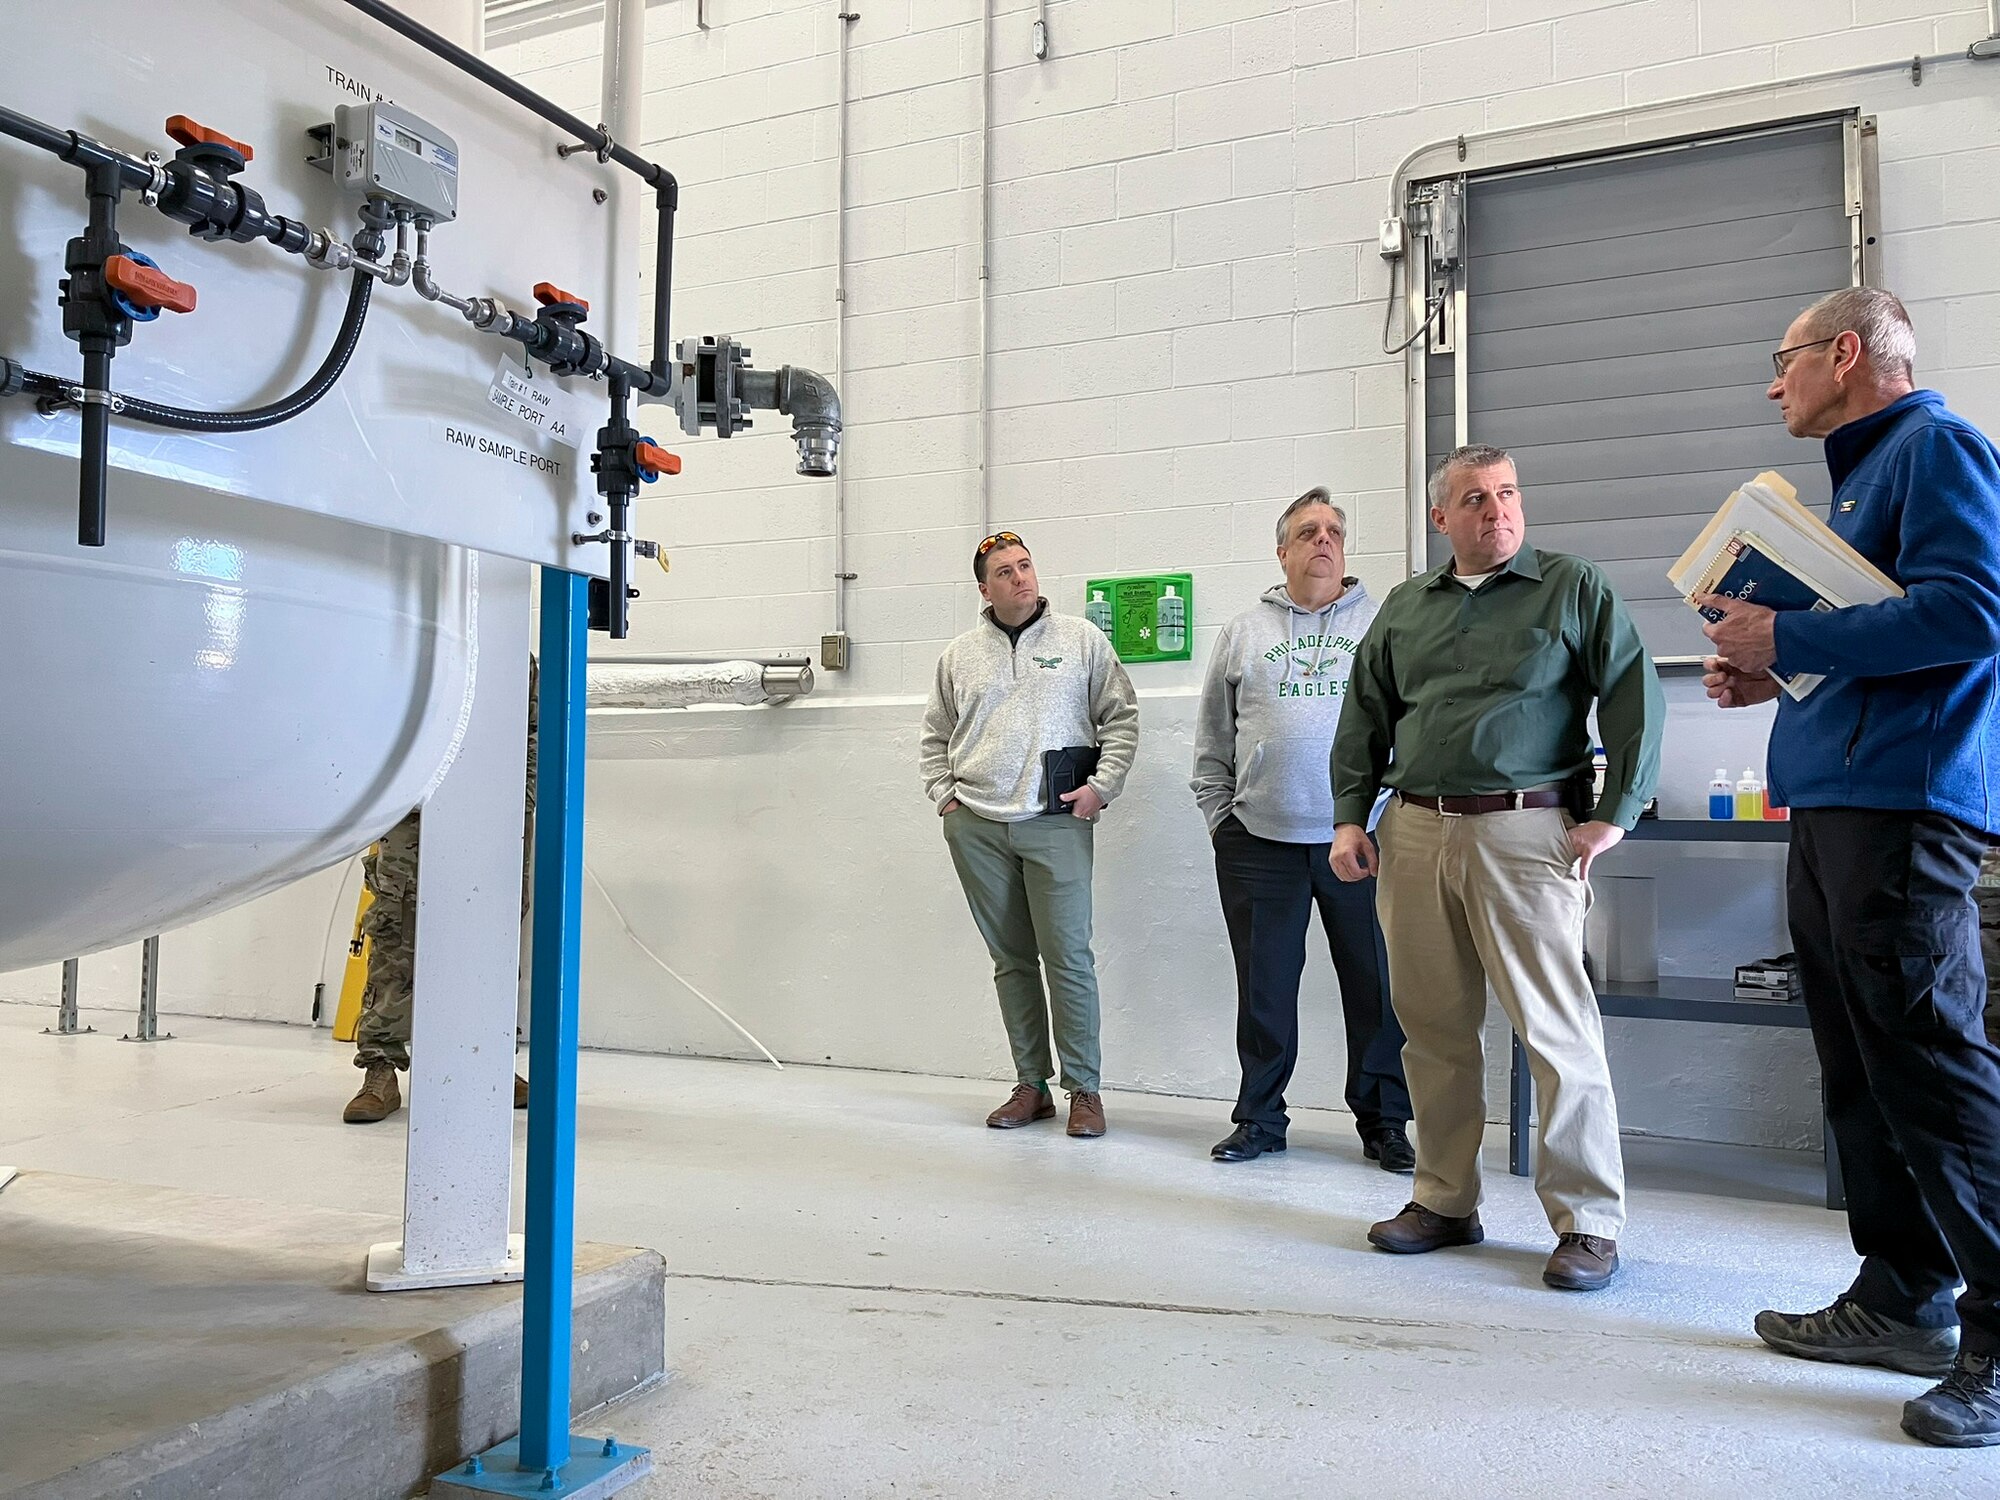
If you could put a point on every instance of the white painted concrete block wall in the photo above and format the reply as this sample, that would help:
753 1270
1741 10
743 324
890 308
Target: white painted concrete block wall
1186 317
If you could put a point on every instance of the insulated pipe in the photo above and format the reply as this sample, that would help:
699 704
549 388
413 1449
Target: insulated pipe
744 683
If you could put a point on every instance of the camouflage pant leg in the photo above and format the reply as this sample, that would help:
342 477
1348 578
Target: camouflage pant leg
390 872
1987 893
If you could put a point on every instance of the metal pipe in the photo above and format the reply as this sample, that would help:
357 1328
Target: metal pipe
985 247
847 20
550 1219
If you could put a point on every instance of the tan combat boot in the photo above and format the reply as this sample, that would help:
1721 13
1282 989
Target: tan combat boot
379 1097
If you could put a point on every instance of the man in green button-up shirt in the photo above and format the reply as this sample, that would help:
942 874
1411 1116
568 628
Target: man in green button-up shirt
1470 700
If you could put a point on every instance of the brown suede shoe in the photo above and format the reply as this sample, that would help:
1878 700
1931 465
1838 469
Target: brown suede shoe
379 1097
520 1092
1086 1114
1024 1106
1582 1263
1416 1230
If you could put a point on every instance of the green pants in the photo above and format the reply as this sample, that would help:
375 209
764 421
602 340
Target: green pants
1028 885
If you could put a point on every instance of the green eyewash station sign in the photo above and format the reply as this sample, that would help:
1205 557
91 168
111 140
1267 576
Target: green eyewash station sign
1148 619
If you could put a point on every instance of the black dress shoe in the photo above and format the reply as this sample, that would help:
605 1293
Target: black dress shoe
1391 1150
1246 1143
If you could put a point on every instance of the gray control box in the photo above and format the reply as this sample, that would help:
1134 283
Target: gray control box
383 151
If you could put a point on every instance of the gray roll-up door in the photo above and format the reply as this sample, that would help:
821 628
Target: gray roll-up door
1620 319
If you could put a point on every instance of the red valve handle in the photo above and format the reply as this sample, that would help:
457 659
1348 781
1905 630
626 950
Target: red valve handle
654 459
148 286
549 294
192 133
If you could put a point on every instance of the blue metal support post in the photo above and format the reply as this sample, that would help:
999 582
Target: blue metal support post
540 1462
551 1218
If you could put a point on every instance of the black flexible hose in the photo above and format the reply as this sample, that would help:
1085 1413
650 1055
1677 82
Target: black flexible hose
269 415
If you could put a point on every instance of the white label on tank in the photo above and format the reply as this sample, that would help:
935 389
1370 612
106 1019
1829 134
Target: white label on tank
540 401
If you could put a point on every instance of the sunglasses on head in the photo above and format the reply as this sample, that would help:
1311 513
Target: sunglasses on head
999 539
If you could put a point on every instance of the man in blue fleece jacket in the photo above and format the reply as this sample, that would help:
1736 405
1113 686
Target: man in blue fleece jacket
1892 769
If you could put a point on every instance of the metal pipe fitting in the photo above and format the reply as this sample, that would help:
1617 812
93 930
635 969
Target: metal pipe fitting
812 403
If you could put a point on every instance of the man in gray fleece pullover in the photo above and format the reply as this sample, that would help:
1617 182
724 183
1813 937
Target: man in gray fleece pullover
1262 775
1021 683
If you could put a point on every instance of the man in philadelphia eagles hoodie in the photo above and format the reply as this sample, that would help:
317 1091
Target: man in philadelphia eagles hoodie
1023 682
1891 767
1263 742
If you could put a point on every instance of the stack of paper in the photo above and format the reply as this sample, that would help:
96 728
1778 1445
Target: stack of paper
1765 547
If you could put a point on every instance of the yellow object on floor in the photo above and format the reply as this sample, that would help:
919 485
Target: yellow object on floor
354 978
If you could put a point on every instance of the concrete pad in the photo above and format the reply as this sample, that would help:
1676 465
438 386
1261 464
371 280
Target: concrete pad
159 1343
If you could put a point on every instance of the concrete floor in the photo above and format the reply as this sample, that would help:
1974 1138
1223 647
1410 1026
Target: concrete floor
870 1295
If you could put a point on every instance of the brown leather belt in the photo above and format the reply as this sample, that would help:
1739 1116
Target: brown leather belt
1460 807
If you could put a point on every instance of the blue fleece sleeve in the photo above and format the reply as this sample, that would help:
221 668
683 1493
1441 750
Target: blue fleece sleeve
1949 561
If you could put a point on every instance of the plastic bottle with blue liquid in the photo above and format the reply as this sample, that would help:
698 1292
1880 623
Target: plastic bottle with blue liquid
1722 796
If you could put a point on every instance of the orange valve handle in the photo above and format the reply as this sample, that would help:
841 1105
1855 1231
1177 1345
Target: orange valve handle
549 294
148 286
654 460
192 133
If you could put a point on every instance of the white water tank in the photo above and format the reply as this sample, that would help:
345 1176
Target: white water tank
220 700
269 662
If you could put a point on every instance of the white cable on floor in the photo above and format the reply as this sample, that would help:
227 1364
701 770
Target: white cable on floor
678 977
326 943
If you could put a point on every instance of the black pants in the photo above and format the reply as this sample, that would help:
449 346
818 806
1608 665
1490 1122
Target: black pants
1888 944
1268 894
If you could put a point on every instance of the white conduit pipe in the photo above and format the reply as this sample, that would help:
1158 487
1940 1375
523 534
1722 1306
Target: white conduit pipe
640 943
840 580
985 254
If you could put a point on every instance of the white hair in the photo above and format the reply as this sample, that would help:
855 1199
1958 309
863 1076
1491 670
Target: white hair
1317 495
1875 316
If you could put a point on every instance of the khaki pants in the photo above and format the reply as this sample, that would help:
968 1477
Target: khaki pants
1472 901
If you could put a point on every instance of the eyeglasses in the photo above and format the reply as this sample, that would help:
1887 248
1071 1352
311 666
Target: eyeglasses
999 539
1781 364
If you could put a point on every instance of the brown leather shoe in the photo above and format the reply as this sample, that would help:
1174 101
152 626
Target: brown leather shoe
1582 1263
520 1092
379 1097
1024 1106
1086 1114
1416 1230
